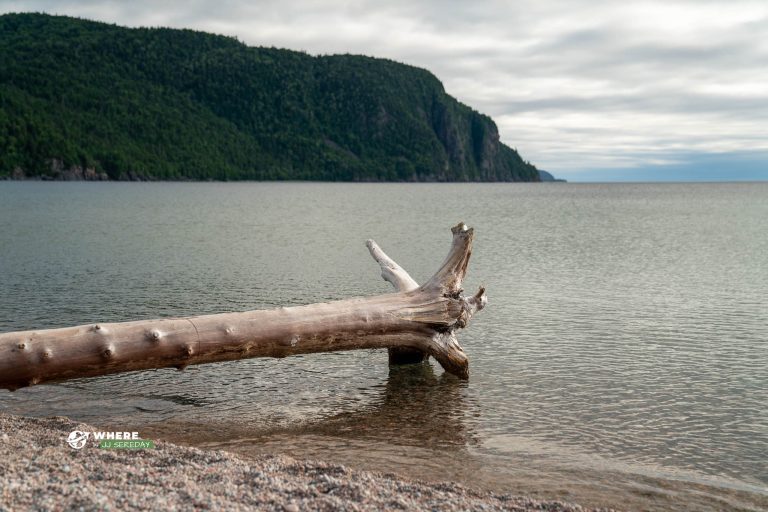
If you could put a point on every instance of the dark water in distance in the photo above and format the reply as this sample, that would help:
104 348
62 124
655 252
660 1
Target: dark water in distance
625 345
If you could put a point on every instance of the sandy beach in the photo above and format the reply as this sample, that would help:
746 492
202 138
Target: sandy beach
39 470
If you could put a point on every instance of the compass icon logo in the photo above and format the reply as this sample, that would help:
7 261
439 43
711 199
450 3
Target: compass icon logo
77 439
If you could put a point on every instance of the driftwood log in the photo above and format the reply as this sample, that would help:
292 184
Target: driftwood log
414 320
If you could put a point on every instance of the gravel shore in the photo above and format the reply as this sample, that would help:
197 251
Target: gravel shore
40 471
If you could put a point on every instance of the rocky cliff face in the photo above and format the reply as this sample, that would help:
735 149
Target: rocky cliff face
60 172
473 146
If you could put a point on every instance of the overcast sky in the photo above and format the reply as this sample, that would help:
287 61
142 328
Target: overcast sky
587 89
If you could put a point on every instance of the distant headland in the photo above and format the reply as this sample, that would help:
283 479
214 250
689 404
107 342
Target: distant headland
547 176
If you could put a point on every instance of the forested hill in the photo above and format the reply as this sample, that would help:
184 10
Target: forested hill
80 99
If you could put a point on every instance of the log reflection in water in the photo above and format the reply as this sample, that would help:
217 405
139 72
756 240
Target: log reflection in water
416 408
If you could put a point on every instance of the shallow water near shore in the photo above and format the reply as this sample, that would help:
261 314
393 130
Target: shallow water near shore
622 360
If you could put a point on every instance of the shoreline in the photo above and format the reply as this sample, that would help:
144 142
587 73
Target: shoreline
38 469
150 179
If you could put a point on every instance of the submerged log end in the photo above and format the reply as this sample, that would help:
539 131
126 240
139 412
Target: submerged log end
446 350
406 355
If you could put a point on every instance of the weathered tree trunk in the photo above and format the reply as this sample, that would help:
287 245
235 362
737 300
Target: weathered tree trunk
421 318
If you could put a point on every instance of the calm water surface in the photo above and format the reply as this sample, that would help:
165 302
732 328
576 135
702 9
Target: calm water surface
623 358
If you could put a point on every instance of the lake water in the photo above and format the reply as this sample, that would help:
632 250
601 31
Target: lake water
622 359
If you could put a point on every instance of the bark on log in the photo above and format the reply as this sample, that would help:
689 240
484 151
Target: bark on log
421 318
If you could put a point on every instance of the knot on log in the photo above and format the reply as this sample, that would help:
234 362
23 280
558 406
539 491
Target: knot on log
470 306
